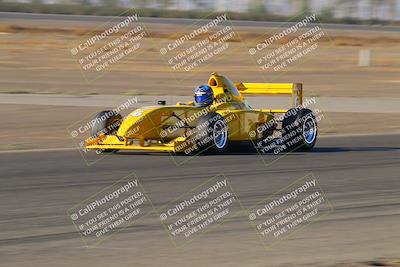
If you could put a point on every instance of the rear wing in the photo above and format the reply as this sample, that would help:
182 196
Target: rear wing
293 89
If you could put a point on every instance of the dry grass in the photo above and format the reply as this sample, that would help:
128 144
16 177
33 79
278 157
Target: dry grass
337 40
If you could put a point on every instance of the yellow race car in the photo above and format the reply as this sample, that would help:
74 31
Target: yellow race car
219 117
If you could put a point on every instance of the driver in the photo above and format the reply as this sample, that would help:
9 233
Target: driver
203 96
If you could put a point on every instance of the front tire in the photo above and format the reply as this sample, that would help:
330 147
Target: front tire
106 122
212 133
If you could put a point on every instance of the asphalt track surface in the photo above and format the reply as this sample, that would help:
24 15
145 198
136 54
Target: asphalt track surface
359 174
183 21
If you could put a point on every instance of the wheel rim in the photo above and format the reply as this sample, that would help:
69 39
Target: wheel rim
113 126
220 134
309 130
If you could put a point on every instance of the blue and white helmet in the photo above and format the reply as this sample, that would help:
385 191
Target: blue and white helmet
203 96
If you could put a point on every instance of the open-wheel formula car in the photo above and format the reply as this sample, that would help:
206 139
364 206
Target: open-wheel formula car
219 116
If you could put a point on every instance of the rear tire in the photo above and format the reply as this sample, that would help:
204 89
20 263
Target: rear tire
106 122
299 130
211 133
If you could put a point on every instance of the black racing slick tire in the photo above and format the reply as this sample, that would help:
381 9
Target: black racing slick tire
211 133
299 130
106 122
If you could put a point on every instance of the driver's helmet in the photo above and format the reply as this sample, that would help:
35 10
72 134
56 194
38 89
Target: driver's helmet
203 96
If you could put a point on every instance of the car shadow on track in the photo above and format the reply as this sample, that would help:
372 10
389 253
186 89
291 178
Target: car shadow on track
353 149
252 151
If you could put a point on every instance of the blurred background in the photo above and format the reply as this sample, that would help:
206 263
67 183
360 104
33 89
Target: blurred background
45 94
351 11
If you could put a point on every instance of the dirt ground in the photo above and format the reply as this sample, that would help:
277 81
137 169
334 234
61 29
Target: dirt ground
36 58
